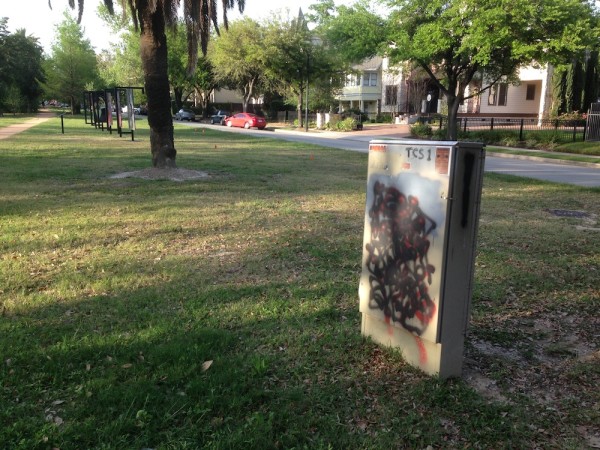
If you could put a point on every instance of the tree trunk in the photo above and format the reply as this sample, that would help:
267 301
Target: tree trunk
299 109
453 105
204 99
178 93
153 44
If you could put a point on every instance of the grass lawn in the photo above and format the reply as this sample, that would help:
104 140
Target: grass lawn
584 148
223 313
13 119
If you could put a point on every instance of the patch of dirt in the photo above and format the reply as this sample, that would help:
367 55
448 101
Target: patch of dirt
172 174
485 386
554 371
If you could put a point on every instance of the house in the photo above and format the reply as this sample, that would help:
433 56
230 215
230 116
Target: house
531 97
362 90
375 88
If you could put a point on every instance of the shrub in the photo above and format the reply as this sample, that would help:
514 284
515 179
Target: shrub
347 124
384 118
363 116
509 141
421 130
440 134
550 141
573 116
531 142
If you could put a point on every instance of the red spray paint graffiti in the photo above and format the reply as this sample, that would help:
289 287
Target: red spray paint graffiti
397 259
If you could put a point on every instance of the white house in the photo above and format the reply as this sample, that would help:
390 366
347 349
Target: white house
363 87
530 98
375 87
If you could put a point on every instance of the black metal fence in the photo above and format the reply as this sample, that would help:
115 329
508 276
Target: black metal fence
563 130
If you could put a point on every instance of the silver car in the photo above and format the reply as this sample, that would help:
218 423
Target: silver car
185 114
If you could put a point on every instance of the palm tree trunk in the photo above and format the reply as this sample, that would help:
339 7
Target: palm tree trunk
154 62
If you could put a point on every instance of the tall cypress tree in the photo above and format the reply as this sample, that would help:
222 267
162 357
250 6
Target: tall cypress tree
577 86
590 88
559 84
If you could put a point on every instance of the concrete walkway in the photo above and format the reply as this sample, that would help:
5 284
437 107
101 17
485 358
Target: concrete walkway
11 130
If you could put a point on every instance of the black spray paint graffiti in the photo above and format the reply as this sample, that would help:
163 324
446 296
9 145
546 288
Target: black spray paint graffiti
397 259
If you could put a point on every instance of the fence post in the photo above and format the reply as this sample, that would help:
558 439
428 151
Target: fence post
62 123
575 131
465 128
521 130
492 124
585 130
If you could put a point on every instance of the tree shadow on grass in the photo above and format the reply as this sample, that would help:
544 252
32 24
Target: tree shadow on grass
186 363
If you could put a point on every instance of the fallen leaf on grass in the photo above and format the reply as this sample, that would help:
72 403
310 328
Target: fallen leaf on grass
362 425
127 366
206 365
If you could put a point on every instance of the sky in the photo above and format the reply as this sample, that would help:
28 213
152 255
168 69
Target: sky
40 21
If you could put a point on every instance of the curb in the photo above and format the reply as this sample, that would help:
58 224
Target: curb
542 159
365 137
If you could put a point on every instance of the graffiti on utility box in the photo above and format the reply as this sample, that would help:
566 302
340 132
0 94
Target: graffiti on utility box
397 259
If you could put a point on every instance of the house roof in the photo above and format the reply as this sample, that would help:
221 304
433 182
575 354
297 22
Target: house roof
373 64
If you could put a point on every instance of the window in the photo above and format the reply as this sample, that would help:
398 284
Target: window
530 92
502 94
492 94
369 79
352 80
498 94
391 95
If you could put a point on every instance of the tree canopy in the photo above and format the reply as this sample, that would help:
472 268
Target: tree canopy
72 66
453 40
355 32
238 58
21 71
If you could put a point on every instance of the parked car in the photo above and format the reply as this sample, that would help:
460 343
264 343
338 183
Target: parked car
246 120
185 114
219 117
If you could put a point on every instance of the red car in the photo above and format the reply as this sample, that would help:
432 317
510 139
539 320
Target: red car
246 120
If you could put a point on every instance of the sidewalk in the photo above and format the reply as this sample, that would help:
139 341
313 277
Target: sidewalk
390 131
11 130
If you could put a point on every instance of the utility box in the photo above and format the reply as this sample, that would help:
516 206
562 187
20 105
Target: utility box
421 219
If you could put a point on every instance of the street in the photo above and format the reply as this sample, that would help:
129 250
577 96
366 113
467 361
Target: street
554 171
